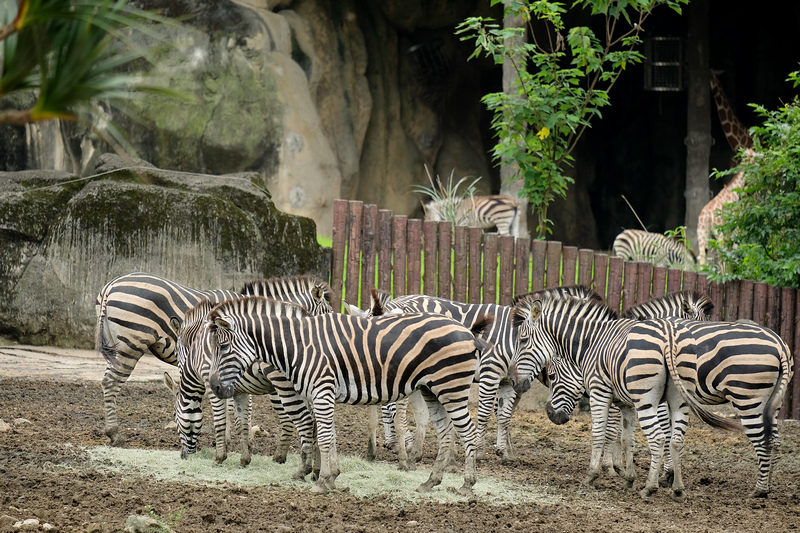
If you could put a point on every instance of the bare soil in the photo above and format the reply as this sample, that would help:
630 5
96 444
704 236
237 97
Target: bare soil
45 473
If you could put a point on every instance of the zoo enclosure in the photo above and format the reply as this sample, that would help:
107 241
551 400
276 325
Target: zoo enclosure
374 248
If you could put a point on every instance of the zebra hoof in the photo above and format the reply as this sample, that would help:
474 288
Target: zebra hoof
678 495
759 493
319 488
424 488
666 480
279 458
647 494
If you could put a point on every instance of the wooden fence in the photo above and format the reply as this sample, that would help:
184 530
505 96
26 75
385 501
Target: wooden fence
373 248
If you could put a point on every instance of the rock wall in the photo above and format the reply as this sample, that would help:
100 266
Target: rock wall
62 239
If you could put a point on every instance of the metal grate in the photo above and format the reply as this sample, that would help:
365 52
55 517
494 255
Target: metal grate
663 64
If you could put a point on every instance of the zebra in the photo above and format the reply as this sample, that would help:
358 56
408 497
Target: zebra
133 318
623 361
342 358
638 245
566 384
494 391
477 211
191 388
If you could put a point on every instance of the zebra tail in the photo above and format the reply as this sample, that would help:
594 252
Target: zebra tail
776 398
706 416
102 343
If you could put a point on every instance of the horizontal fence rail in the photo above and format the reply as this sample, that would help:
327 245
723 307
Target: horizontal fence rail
374 248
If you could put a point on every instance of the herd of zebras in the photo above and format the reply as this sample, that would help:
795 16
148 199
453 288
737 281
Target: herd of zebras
281 337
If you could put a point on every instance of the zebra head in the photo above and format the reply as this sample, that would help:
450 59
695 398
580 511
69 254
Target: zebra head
565 382
241 333
533 350
191 347
685 304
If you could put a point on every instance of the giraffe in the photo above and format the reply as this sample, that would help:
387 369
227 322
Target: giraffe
738 138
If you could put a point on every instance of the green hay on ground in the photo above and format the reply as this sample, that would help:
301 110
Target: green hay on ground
363 479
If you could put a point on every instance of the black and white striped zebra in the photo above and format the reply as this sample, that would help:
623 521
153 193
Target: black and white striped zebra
191 388
638 245
494 391
622 361
566 381
133 318
477 211
343 358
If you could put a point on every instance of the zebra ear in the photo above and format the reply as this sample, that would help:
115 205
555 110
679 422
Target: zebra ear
536 310
318 293
170 383
222 323
175 323
686 308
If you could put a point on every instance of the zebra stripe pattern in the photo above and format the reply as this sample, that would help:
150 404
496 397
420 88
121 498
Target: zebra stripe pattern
189 393
494 391
621 360
133 318
745 364
342 358
638 245
566 383
477 211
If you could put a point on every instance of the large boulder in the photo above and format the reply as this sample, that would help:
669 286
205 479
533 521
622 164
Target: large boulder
62 239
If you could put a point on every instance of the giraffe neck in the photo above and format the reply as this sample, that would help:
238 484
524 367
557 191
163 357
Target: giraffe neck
735 132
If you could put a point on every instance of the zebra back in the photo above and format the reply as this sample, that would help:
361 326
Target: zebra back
477 211
638 245
310 292
684 304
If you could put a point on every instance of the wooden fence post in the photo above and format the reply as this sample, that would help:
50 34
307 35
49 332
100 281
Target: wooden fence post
460 259
490 269
385 250
616 267
538 260
445 247
523 263
506 293
354 209
431 245
553 267
414 247
368 256
585 264
569 268
475 270
338 251
601 271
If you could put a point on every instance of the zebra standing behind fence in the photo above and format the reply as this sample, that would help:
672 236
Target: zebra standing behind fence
621 361
343 358
133 318
191 388
638 245
477 211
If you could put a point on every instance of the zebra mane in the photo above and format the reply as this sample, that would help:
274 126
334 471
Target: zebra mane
690 303
568 304
247 305
279 287
574 291
197 313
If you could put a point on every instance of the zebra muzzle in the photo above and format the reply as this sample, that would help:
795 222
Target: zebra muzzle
556 416
220 389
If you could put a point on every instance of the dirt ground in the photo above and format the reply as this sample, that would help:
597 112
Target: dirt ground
45 473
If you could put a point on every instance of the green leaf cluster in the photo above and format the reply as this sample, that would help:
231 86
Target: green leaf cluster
761 232
73 55
563 77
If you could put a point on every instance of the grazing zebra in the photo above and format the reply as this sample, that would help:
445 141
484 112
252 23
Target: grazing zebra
621 361
566 382
133 318
494 390
638 245
190 390
477 211
342 358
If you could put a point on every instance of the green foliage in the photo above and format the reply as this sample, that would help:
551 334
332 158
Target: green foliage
74 55
762 230
562 81
166 523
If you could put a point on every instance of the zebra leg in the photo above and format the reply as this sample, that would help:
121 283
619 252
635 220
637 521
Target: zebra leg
118 370
458 413
599 406
323 402
243 406
287 429
507 402
387 417
677 421
443 426
488 387
400 428
651 427
623 438
221 427
421 418
372 430
755 427
668 427
613 453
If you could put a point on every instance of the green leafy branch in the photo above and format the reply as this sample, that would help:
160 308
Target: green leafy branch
563 77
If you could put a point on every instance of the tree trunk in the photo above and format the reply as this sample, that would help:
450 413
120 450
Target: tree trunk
507 171
698 124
